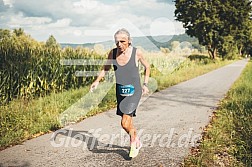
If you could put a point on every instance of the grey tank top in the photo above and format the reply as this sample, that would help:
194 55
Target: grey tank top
128 73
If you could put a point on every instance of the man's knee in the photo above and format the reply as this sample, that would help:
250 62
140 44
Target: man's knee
126 122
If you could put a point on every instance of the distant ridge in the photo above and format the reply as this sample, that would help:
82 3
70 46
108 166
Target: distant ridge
148 43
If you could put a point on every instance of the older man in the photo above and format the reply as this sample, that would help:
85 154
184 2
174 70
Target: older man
125 59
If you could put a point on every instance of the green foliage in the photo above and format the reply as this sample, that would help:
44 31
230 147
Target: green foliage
21 119
31 69
193 66
239 105
229 48
51 42
4 33
211 22
198 57
18 32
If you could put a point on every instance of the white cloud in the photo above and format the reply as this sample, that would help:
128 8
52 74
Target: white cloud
162 26
19 20
8 2
70 20
85 5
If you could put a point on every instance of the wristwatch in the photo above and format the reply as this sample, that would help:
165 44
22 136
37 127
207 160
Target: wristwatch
145 84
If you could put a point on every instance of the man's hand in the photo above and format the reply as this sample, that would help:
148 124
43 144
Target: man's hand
94 86
145 90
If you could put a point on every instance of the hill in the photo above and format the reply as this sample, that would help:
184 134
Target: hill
149 43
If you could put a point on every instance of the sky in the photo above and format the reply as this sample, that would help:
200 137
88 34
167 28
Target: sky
83 21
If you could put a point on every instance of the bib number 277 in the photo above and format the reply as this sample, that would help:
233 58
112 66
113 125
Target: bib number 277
126 90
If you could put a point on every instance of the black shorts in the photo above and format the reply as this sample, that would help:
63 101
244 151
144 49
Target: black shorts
128 104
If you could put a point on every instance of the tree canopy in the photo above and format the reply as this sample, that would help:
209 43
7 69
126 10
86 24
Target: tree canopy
220 25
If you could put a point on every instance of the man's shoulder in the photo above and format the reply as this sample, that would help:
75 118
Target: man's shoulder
139 52
111 53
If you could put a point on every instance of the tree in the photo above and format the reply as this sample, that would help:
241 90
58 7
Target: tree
244 35
51 42
213 21
235 16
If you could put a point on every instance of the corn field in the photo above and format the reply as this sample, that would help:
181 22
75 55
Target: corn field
29 68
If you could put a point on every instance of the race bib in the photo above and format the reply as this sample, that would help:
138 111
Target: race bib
126 90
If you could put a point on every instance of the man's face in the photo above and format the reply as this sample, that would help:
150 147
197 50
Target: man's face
122 42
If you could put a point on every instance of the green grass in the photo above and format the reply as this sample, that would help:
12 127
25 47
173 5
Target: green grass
22 120
227 140
188 70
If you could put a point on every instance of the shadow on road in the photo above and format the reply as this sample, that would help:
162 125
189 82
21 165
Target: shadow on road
92 143
189 97
25 164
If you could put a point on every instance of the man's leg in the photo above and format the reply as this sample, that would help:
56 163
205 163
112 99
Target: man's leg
127 125
135 144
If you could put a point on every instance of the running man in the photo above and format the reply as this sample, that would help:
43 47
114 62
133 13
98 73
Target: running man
125 59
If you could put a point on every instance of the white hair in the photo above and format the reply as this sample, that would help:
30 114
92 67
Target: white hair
124 31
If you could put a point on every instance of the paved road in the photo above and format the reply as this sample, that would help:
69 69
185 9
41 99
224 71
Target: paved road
169 123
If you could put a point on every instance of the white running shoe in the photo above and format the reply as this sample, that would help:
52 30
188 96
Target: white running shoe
134 148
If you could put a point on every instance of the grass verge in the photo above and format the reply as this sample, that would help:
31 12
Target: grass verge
227 139
22 120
